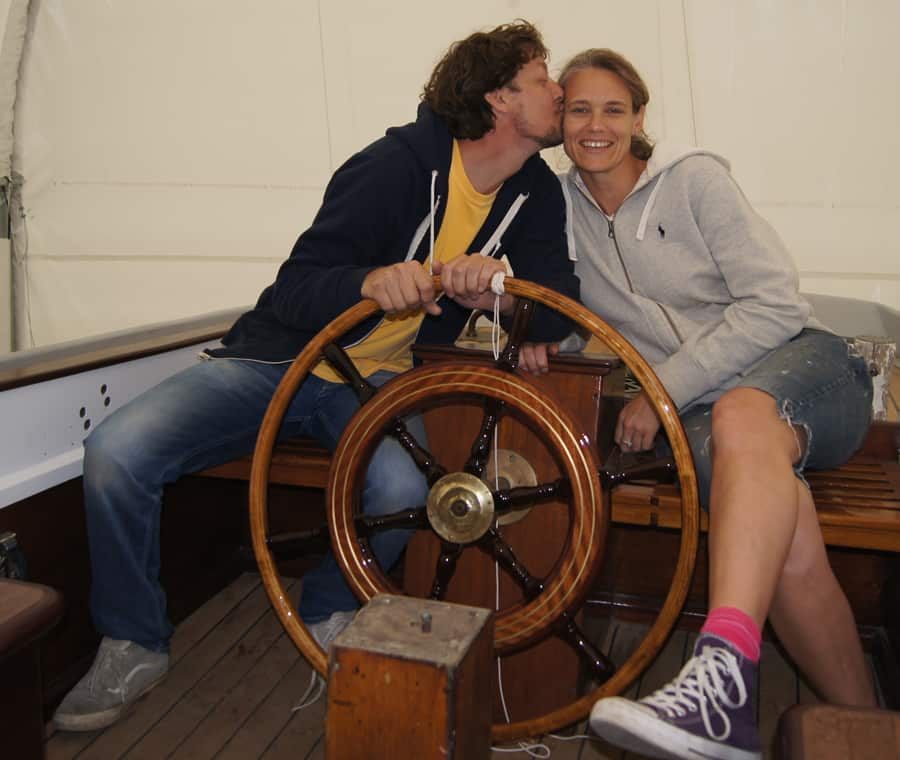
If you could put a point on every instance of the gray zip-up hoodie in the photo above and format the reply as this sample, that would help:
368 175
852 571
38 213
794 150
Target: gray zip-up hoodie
687 271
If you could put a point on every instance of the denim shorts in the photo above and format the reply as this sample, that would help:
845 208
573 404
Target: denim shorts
819 384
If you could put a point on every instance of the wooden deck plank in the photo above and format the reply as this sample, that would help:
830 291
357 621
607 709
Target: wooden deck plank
776 692
303 736
64 745
121 737
207 698
242 701
233 684
272 715
624 638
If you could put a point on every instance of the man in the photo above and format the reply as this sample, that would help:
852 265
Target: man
464 178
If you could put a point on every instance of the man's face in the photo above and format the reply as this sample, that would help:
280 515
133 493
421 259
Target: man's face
537 104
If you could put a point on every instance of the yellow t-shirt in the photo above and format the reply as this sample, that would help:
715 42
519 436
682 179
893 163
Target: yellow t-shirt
388 345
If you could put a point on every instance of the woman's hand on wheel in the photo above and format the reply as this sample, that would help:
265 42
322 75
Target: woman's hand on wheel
637 425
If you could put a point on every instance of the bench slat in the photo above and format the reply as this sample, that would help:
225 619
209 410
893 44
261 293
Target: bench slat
858 503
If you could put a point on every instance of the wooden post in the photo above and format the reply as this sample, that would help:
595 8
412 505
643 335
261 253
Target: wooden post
411 678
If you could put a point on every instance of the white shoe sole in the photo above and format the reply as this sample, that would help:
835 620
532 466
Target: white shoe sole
102 719
623 723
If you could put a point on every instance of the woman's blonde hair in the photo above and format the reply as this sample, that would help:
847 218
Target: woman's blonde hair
610 60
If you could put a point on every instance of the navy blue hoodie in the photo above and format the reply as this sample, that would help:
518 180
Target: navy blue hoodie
372 209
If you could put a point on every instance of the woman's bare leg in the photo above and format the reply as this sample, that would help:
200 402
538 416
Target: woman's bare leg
767 556
812 617
753 501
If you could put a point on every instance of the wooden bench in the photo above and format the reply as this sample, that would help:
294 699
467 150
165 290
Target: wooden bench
858 503
297 462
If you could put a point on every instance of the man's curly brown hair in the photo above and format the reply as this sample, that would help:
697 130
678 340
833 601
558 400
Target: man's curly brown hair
475 66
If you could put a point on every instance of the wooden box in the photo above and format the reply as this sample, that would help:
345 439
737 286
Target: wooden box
823 732
411 678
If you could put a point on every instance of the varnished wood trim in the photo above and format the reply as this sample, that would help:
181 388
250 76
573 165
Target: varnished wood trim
41 364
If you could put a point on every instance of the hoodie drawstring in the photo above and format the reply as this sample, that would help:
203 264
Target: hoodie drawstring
431 221
493 244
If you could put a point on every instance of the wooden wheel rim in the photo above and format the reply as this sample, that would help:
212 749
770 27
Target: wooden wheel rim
570 578
690 518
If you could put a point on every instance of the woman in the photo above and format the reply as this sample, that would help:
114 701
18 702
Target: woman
670 252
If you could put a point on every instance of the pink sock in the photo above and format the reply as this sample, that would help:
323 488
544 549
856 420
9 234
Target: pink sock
737 628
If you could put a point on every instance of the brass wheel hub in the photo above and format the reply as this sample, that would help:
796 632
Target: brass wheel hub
460 508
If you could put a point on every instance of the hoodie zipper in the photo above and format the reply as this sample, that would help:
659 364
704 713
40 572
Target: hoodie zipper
612 236
611 233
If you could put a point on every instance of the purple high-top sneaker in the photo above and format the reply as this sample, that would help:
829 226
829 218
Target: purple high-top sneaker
706 712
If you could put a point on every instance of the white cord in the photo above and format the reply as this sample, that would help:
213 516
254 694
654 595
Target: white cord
431 223
534 750
498 290
540 751
317 683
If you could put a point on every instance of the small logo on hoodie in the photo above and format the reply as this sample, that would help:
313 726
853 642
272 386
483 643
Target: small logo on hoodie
662 232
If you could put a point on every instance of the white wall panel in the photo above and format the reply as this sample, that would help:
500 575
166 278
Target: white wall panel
45 423
764 76
866 105
803 100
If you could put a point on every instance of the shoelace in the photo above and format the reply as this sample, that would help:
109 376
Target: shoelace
700 684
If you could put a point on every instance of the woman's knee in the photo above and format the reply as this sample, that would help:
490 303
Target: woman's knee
746 419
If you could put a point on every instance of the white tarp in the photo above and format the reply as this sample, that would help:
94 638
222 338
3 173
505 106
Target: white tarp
172 150
13 22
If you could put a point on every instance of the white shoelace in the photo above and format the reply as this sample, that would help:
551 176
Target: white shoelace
700 684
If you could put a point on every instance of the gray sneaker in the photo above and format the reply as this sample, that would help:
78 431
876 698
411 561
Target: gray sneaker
122 672
325 631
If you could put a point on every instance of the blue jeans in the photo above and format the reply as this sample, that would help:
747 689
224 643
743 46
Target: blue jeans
203 416
818 384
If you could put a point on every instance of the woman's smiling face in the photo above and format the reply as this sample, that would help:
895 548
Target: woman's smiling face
599 120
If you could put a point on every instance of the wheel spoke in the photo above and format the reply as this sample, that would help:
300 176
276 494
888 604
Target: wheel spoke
509 357
507 499
414 518
344 366
423 458
481 449
602 668
493 543
364 391
616 470
299 543
446 567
